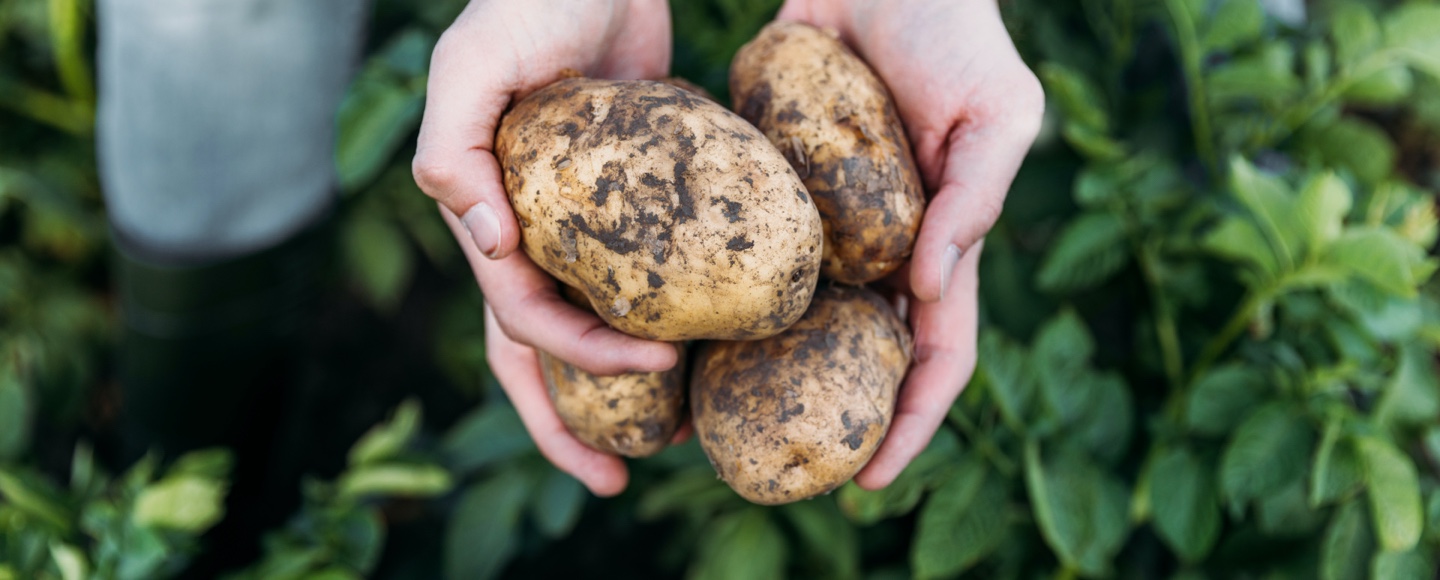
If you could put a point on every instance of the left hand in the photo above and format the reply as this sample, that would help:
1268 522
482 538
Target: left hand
971 108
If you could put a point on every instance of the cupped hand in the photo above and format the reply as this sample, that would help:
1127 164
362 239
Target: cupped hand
971 109
496 52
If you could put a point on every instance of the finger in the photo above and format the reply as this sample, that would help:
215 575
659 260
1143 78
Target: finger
944 360
811 13
517 367
454 160
683 433
532 312
982 154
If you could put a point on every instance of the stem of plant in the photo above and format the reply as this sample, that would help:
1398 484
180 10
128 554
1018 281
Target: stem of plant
1307 109
1228 333
982 442
1165 330
1190 55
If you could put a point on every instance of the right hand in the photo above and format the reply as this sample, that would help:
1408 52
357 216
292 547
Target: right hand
496 52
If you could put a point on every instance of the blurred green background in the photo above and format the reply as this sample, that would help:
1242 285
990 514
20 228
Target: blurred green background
1208 350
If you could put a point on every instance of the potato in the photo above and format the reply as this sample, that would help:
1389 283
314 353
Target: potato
681 83
798 414
674 216
836 124
633 414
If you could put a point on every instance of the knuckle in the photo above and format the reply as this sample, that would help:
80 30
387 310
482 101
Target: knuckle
1027 104
988 210
432 174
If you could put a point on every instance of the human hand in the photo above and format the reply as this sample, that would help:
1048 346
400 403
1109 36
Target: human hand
971 109
496 52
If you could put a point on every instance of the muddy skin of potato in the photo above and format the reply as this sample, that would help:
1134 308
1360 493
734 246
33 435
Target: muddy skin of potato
800 413
681 83
633 414
834 120
674 216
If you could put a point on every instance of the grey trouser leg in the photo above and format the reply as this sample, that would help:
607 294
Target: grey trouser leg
216 120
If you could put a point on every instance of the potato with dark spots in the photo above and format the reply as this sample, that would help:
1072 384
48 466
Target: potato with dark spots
634 192
800 413
834 120
633 414
681 83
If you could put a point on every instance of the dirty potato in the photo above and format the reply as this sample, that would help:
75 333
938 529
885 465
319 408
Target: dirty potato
833 119
800 413
633 414
681 83
674 216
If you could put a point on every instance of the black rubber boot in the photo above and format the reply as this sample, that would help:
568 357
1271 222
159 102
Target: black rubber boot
209 357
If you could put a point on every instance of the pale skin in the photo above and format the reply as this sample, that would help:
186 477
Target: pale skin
970 106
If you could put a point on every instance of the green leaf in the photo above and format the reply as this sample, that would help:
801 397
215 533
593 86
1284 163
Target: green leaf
962 523
1092 143
1413 396
376 117
741 546
1354 31
186 502
1337 473
1237 22
1386 316
491 434
395 479
559 503
901 496
1394 492
1270 201
1347 545
15 412
1081 510
1223 397
1380 257
692 490
1061 354
1105 428
1266 453
33 497
1358 145
1412 564
1286 513
1009 376
1185 504
388 439
362 536
1088 251
1411 29
214 463
1251 77
1386 87
1239 240
1078 99
378 258
70 560
829 539
1323 205
482 536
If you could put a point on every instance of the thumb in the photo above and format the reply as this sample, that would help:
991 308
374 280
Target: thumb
981 159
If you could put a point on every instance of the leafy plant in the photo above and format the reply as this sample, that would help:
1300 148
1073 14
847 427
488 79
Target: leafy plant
1208 343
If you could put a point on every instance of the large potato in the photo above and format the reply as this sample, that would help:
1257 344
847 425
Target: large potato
798 414
834 121
674 216
633 414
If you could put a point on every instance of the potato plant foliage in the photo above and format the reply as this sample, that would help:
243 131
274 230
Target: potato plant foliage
1208 346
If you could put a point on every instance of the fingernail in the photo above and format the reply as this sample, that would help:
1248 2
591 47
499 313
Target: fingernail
484 227
947 267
